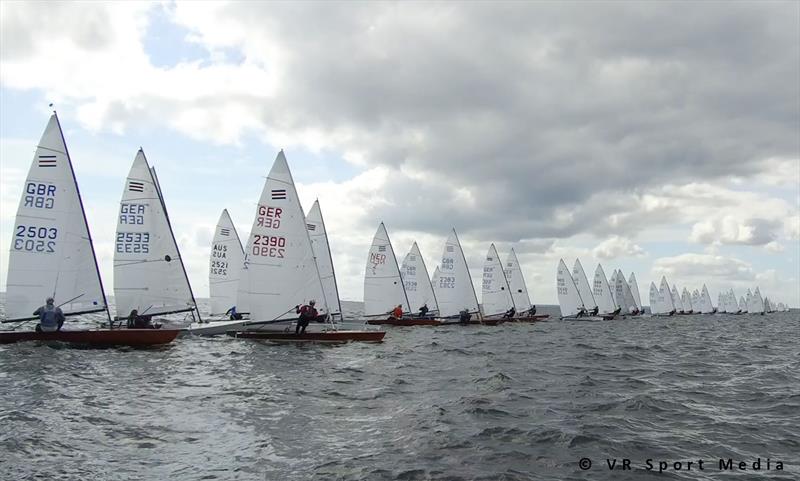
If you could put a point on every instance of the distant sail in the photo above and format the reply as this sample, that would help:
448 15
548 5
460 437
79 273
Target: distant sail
634 287
665 297
655 307
686 301
51 252
417 283
149 275
383 285
585 290
516 281
455 290
225 264
496 293
676 299
708 307
569 300
602 292
322 251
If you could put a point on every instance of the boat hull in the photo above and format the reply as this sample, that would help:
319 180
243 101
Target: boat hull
528 318
215 328
472 322
404 322
336 337
584 318
98 337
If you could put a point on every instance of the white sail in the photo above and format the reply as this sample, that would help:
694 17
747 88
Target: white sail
435 282
516 281
455 290
282 271
758 302
496 293
634 287
322 251
225 264
742 304
623 294
569 300
708 307
697 301
602 292
665 297
51 252
676 299
722 305
584 289
686 301
149 275
655 308
416 281
383 285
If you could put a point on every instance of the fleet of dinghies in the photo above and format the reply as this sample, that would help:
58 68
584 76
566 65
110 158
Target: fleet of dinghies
257 291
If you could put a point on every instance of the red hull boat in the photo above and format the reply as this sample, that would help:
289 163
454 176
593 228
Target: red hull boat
472 322
528 318
324 337
97 337
404 322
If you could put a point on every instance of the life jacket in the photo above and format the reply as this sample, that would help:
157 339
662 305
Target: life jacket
397 312
48 318
308 312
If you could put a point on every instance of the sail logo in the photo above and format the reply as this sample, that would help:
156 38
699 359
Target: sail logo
381 248
224 231
135 186
47 161
311 227
278 194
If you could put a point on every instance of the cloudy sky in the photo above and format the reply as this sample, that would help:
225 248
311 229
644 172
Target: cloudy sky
657 138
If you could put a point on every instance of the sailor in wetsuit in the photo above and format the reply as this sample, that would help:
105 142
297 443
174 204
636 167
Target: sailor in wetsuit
464 316
510 313
51 318
307 314
423 311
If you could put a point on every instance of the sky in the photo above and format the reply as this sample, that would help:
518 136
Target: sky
657 138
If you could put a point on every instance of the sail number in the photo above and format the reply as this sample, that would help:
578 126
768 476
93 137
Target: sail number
35 239
219 268
562 291
269 217
447 264
133 242
269 246
410 285
131 214
41 196
447 282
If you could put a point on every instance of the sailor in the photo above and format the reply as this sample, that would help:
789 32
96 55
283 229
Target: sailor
510 313
581 312
136 321
423 311
595 310
464 316
397 312
233 315
51 318
532 311
307 314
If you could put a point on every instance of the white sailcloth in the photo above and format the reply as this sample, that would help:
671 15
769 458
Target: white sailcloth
419 288
51 250
225 264
634 287
516 282
655 307
149 275
496 293
686 301
758 302
383 285
435 282
282 271
584 289
602 292
455 290
623 294
322 251
708 307
676 299
665 297
742 304
569 299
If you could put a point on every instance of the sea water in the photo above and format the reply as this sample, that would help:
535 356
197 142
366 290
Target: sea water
511 402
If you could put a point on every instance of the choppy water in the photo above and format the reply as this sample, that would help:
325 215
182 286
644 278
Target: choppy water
509 402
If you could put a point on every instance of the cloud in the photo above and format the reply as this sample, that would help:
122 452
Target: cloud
703 266
617 247
731 230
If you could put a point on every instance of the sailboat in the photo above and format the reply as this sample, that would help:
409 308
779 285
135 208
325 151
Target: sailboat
756 303
224 272
661 299
52 254
384 288
454 289
569 298
419 288
283 271
149 275
624 296
584 289
676 300
526 311
495 292
634 287
686 302
602 294
322 252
